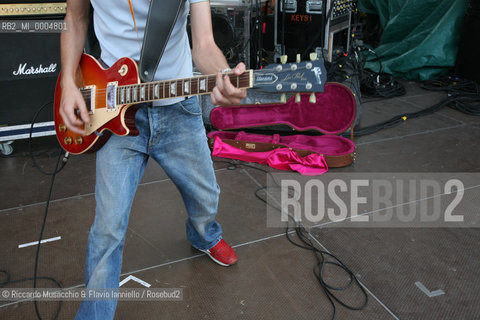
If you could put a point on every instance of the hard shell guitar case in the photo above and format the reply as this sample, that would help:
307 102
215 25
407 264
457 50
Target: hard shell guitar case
330 114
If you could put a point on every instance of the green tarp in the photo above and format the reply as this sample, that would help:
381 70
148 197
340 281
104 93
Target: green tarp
420 37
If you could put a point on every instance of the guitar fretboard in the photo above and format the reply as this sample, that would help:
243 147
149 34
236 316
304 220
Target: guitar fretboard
152 91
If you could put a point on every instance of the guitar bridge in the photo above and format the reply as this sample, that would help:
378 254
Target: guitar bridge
111 102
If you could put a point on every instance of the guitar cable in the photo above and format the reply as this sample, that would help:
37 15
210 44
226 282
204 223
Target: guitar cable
30 146
58 168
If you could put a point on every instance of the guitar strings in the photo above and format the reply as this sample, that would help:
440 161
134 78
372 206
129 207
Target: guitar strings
151 85
102 92
86 93
211 79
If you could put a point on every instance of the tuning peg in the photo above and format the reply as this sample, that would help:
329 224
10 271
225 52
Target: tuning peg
298 98
283 98
283 59
313 56
313 98
299 58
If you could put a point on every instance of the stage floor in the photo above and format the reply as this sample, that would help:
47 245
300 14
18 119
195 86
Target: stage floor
408 271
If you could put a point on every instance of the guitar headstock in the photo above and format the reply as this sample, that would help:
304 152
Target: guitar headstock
306 76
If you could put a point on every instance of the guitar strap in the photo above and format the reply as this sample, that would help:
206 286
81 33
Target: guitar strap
161 19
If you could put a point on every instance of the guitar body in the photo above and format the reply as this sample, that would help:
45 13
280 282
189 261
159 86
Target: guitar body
120 121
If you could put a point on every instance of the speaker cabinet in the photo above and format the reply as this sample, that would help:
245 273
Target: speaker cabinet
231 30
467 64
299 26
303 26
28 73
30 61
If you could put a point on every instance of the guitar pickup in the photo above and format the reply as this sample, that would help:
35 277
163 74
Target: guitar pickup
111 97
88 93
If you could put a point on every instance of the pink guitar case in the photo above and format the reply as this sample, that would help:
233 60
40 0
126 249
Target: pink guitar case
331 114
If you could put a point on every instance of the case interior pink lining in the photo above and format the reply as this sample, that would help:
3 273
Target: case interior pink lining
332 113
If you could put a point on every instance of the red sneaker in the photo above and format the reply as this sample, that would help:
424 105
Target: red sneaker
222 254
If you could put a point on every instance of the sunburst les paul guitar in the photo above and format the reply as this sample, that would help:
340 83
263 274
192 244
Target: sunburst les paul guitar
111 95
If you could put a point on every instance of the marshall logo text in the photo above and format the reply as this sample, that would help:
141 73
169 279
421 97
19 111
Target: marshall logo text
23 70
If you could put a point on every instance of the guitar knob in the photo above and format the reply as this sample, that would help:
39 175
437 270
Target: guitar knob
78 140
283 59
68 140
283 98
299 58
62 127
313 56
313 98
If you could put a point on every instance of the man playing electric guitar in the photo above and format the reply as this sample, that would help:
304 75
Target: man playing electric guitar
170 131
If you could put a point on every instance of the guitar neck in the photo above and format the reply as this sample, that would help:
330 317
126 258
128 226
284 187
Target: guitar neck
158 90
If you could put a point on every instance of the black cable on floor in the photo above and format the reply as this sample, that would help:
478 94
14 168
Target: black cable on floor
465 93
8 282
37 254
53 174
462 95
52 181
451 84
377 84
400 118
380 85
467 103
320 255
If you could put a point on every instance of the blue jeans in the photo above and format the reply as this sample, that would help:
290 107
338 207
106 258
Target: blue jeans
174 136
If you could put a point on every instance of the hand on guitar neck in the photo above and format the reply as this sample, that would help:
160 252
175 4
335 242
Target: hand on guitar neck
225 93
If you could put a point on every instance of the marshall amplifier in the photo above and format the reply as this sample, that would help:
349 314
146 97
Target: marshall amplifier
30 51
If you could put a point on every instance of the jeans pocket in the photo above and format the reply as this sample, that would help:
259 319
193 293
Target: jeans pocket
191 106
